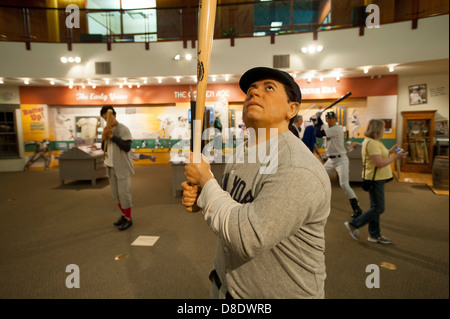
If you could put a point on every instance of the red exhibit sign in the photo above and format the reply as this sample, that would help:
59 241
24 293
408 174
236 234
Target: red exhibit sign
170 94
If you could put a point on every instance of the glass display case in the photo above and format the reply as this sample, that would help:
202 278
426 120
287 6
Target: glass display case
418 136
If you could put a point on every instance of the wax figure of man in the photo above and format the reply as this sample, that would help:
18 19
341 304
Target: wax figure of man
119 165
295 127
337 156
268 245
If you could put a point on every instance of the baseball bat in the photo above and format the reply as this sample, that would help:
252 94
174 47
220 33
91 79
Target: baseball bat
206 20
109 114
337 101
304 112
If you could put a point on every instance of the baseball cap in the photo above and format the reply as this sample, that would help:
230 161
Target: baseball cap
262 73
330 115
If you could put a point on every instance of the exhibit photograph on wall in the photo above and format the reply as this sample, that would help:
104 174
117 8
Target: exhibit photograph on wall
418 94
441 128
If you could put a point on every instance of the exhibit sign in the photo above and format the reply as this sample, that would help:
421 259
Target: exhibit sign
34 122
328 88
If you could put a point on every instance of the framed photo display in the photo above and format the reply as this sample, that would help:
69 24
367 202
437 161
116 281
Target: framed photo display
418 94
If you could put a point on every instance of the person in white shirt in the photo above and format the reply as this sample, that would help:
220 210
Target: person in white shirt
337 156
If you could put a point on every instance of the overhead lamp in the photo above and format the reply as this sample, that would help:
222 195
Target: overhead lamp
178 79
1 82
214 78
52 82
70 59
188 56
159 80
138 85
120 85
177 57
107 81
195 79
145 81
130 85
311 49
26 82
366 69
391 68
227 78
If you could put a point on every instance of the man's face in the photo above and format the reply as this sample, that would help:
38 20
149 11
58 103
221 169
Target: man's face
267 105
331 121
113 119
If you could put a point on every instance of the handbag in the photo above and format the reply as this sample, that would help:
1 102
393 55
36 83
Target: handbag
367 183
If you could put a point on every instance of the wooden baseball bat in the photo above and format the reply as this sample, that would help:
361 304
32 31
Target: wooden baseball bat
109 115
337 101
206 20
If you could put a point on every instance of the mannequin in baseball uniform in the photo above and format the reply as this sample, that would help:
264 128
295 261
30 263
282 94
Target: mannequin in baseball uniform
337 156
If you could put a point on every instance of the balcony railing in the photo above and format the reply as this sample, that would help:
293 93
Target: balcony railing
243 19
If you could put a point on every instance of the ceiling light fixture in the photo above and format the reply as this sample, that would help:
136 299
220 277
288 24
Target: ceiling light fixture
70 59
366 69
391 68
312 49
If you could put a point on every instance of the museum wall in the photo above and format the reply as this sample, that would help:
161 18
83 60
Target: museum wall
437 97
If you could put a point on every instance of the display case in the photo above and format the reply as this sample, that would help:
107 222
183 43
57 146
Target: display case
418 136
81 163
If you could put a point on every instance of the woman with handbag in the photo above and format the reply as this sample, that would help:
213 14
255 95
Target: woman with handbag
377 170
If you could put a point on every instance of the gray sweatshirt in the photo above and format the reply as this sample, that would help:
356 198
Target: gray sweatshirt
270 222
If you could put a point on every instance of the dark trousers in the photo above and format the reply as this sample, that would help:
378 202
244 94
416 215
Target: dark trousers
372 215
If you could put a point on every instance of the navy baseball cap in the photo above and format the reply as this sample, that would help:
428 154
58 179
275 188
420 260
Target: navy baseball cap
262 73
330 115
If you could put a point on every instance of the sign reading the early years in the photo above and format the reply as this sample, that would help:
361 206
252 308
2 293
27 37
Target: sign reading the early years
328 88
